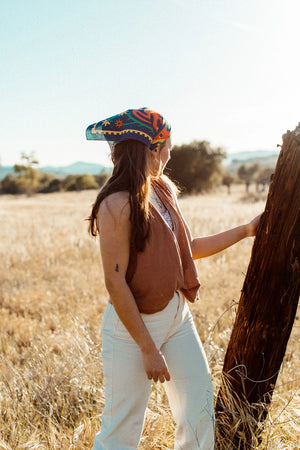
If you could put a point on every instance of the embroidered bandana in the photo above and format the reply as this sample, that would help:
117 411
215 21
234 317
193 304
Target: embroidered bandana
141 124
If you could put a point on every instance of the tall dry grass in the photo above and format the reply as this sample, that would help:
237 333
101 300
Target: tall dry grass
52 297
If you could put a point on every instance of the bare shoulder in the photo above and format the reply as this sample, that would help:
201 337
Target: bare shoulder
114 227
116 206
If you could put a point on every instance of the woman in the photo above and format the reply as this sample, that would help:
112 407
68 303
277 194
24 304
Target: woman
147 253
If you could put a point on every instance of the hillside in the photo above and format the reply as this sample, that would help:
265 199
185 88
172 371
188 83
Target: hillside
264 158
77 168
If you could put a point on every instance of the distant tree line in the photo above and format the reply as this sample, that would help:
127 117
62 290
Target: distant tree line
254 173
249 174
195 167
27 179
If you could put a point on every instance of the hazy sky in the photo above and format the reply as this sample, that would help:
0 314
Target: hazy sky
227 71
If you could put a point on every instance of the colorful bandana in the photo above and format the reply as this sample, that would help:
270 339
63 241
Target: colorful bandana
141 124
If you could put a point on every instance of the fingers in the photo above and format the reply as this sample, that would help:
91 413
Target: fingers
164 377
252 225
156 367
168 376
159 376
255 223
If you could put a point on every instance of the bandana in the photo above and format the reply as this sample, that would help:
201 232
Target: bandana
141 124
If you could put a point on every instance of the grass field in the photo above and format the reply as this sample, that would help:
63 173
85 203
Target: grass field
52 297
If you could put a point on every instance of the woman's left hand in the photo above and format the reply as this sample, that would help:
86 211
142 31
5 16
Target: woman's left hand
252 226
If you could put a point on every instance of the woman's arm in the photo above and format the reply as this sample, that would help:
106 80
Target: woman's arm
114 228
207 246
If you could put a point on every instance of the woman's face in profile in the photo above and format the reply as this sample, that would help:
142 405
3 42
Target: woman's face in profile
165 152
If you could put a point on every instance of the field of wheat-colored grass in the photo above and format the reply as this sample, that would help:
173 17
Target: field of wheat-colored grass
52 297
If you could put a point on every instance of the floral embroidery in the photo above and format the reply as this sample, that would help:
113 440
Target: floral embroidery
118 123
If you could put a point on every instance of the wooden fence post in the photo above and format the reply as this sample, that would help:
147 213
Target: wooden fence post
268 303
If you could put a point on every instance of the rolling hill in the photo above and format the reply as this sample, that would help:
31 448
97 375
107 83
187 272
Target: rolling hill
77 168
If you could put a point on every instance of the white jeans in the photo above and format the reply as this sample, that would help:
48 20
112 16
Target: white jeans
127 387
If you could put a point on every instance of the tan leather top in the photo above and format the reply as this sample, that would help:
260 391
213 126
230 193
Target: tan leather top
166 265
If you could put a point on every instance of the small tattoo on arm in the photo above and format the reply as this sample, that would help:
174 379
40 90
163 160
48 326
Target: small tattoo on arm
117 268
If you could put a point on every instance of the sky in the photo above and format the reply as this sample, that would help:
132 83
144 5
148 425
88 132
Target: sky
225 71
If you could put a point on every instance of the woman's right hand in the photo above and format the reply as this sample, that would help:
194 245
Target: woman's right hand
155 366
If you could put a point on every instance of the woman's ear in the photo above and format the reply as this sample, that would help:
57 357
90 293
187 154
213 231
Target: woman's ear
154 154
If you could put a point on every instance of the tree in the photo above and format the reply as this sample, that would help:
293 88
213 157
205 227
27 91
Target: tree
28 179
102 178
196 167
248 173
79 182
227 180
268 303
264 178
9 185
49 183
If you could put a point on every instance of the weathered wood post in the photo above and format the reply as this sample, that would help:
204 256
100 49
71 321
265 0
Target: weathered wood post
268 302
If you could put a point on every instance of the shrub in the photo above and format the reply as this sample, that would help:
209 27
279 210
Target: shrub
79 182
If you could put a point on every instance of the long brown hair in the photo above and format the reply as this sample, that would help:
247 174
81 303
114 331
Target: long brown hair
130 173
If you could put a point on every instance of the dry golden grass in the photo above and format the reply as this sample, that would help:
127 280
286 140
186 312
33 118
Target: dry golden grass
52 297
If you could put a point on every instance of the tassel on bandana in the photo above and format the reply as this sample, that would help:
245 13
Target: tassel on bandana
141 124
